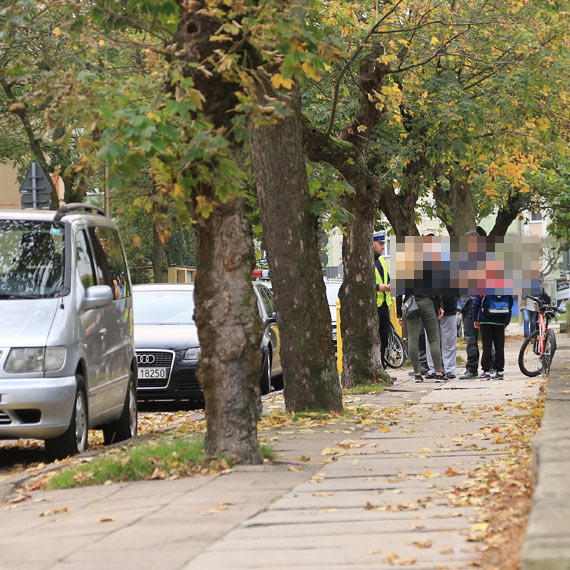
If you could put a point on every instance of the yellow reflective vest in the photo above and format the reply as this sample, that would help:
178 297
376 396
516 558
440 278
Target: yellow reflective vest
380 295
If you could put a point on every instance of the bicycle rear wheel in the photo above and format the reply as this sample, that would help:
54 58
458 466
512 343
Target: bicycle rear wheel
395 351
549 350
530 362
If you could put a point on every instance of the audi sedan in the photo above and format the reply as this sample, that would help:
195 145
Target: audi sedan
167 346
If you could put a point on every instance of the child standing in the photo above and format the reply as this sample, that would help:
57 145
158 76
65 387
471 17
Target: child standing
491 315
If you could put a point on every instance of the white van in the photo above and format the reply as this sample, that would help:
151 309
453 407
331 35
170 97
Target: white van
67 359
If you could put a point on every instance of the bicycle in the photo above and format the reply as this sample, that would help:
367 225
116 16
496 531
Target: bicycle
537 350
397 349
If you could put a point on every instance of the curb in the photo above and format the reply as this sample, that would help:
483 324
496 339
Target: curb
547 543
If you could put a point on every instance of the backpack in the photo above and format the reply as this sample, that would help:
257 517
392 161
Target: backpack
496 307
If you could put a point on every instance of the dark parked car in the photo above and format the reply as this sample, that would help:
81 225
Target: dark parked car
167 346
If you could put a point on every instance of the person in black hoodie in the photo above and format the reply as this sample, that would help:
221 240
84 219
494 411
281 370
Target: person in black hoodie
491 315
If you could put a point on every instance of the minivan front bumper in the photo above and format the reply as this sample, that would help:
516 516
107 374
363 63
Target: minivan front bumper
36 407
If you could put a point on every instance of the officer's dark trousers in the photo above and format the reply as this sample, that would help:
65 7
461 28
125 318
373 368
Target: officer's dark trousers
384 329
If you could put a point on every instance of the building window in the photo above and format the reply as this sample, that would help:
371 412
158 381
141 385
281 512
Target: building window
536 217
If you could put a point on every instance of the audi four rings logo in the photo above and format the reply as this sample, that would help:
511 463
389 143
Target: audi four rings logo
145 358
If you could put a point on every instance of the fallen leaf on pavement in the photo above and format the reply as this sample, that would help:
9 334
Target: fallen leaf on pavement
53 512
395 560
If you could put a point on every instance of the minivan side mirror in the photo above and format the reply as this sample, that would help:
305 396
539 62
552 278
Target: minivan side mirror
96 296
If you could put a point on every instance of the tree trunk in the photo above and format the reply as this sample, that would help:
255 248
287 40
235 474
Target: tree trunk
361 362
508 213
159 258
455 206
309 367
229 326
399 209
229 329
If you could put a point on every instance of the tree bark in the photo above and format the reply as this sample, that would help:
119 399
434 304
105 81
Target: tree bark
399 209
508 213
361 358
349 154
455 206
229 326
229 330
309 367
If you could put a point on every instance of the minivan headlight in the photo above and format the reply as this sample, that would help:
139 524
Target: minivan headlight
21 360
192 354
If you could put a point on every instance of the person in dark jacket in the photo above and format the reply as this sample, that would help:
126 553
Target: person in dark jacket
491 315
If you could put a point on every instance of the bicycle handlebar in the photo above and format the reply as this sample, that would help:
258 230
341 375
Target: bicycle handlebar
543 306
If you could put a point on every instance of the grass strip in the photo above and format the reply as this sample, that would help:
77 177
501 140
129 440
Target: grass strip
164 458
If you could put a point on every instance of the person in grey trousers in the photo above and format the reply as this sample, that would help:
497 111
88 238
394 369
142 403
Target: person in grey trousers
448 338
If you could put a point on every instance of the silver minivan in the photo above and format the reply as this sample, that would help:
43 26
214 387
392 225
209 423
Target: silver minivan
67 359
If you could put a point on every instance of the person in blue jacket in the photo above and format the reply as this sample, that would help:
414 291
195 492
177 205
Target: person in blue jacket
491 315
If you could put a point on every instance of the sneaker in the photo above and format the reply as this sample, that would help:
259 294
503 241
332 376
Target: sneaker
430 376
500 375
485 376
424 369
450 375
468 375
440 377
419 378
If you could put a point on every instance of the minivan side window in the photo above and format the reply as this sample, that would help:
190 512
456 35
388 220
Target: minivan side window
84 265
110 263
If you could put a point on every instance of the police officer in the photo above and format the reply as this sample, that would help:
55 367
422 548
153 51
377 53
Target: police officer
383 298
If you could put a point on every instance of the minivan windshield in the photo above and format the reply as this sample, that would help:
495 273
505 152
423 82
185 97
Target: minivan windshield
163 307
31 259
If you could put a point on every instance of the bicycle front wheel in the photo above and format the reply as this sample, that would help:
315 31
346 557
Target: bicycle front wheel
549 350
395 351
530 362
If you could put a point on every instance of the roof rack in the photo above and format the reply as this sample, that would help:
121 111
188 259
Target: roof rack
76 207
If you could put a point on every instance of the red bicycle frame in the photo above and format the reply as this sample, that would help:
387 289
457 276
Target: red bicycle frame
541 333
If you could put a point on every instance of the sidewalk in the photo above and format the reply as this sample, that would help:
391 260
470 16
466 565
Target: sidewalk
379 494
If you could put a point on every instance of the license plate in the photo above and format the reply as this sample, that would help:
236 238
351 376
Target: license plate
153 372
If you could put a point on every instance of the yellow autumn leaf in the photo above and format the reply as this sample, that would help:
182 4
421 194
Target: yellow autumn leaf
427 543
480 527
310 71
56 31
384 429
204 207
433 41
277 80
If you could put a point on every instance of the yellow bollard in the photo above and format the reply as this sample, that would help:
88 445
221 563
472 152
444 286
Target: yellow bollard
394 318
338 339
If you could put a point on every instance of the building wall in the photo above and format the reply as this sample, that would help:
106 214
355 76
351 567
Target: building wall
9 185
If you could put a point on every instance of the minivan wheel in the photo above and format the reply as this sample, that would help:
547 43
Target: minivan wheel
126 426
74 439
